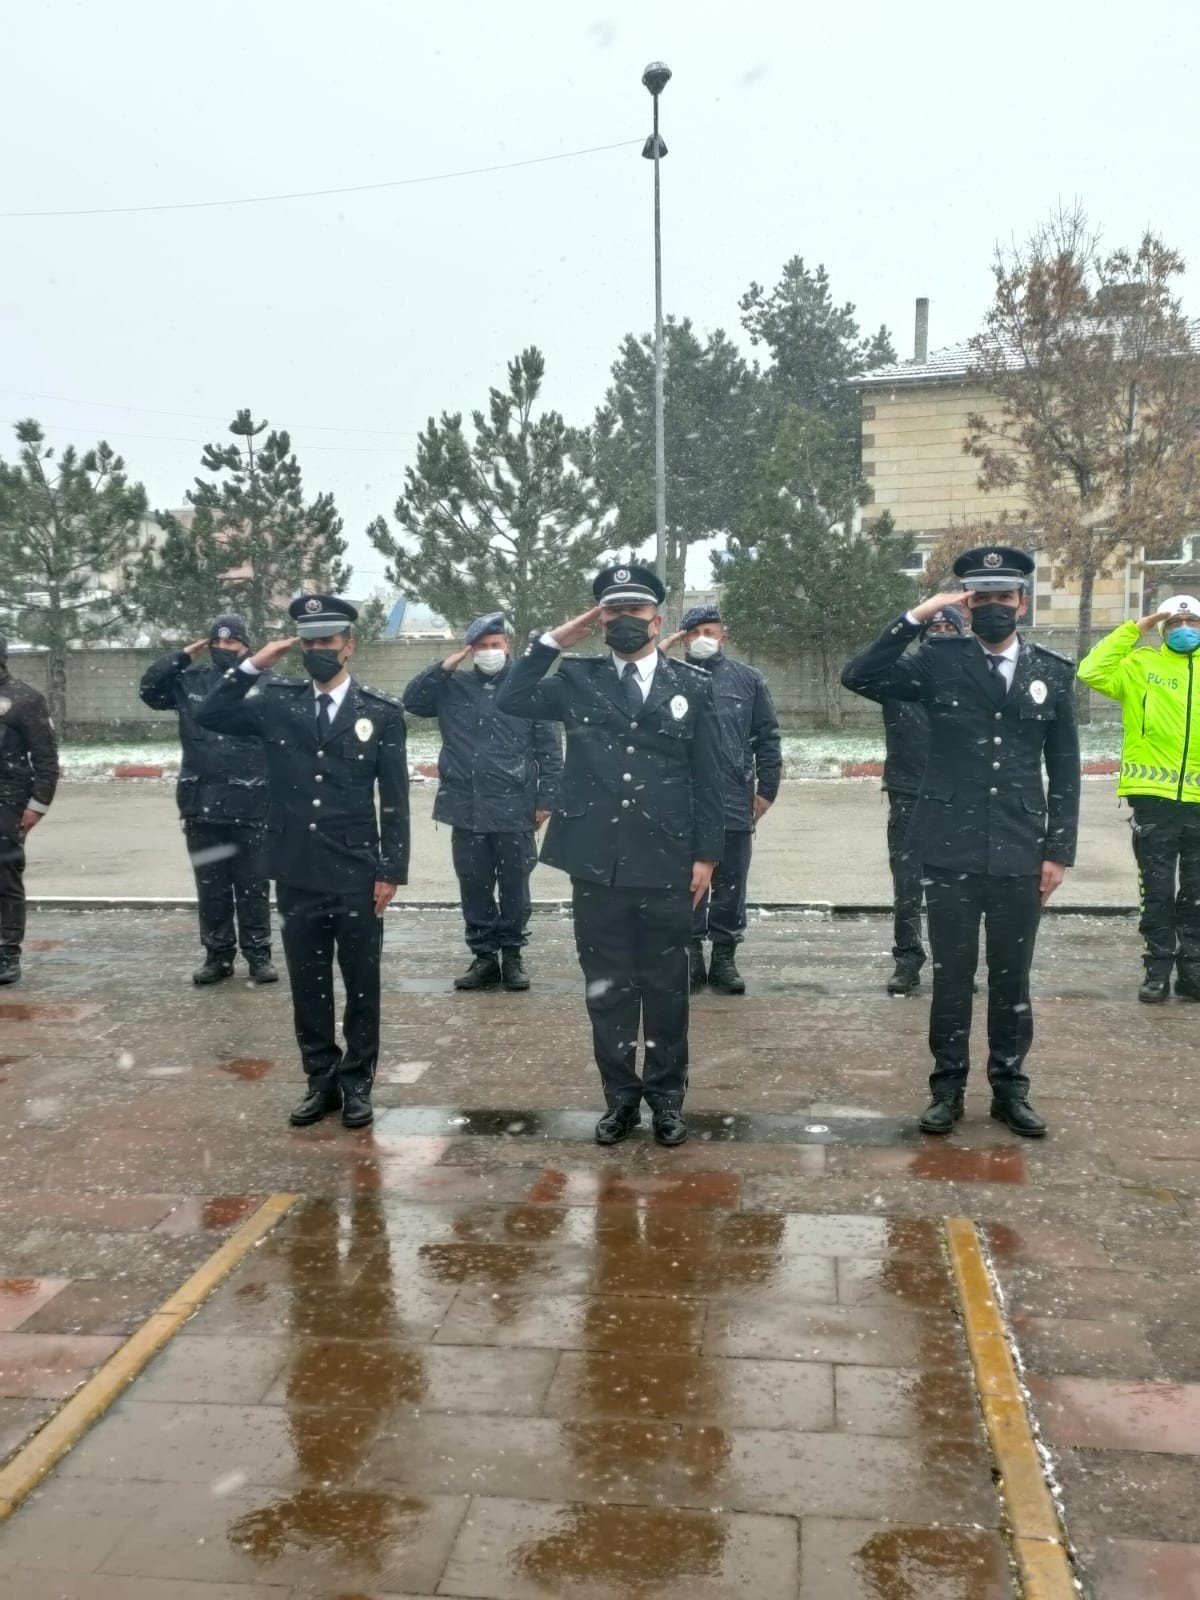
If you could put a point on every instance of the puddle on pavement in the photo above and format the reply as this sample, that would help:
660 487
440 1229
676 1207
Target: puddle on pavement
706 1126
248 1068
40 1011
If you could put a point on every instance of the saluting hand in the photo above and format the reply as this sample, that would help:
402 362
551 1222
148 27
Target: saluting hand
273 652
927 608
194 650
1147 623
578 628
671 640
452 661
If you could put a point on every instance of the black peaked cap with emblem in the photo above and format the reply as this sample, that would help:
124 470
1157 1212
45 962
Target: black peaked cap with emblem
629 585
994 566
317 615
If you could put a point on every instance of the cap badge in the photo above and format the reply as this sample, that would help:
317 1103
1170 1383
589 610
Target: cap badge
1038 692
222 633
364 728
679 707
312 605
621 574
993 559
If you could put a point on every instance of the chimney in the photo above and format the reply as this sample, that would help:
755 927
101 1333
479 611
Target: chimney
921 332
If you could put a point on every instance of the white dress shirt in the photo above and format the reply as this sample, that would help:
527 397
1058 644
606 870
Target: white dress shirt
1008 656
646 665
336 695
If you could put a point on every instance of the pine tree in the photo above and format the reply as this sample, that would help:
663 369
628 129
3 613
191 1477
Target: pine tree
67 528
500 521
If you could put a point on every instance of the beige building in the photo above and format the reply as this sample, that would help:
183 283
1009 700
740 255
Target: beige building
914 420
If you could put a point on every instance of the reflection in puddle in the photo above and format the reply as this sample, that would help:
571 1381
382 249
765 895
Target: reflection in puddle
248 1068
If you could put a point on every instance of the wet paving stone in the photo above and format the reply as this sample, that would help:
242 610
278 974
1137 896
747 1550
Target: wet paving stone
97 1306
1139 1569
575 1322
22 1298
1107 1413
848 1560
906 1403
676 1387
47 1366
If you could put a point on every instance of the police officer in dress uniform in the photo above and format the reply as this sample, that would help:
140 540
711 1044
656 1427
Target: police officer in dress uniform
28 778
331 743
639 826
993 842
751 767
497 780
222 799
906 737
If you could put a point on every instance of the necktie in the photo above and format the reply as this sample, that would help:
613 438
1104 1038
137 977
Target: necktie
999 682
324 701
633 695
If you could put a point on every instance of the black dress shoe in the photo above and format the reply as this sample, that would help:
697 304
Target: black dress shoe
906 978
262 969
214 970
1154 990
669 1127
483 973
940 1115
1020 1116
357 1110
320 1100
618 1122
10 966
723 975
1187 988
697 976
512 970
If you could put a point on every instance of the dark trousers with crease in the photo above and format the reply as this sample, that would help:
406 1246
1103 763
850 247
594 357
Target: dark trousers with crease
1010 909
1166 846
908 890
633 948
721 915
493 883
314 928
226 860
12 878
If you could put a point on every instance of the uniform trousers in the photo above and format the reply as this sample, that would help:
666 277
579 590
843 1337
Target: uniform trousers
633 948
493 883
315 927
721 915
907 888
226 861
1166 845
12 877
1010 909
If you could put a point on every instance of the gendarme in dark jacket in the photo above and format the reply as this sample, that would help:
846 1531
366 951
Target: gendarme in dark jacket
222 776
494 769
28 747
983 806
641 796
751 759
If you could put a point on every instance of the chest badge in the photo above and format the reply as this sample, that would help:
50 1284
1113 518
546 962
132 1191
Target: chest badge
1038 692
679 707
364 728
5 705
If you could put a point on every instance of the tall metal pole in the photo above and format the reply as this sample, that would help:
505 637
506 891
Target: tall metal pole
660 438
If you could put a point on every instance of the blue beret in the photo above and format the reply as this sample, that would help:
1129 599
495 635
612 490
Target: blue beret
699 615
950 614
493 622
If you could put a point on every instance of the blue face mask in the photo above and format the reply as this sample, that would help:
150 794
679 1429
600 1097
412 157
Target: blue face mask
1183 640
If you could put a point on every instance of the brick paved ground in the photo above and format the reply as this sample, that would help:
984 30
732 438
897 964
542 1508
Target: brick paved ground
483 1358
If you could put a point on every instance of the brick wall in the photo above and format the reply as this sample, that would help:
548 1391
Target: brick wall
102 698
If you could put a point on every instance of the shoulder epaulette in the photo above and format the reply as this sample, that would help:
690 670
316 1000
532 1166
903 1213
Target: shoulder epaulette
1057 654
270 680
378 694
701 672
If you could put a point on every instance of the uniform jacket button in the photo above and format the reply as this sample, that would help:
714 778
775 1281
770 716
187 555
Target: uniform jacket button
320 777
316 802
995 766
993 791
625 804
312 827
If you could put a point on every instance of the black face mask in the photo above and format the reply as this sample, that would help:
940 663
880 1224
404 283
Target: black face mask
992 623
223 659
627 635
322 664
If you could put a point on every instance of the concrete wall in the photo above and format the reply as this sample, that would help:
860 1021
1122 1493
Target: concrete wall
102 697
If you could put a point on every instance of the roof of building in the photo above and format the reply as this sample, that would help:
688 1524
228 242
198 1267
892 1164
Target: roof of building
950 365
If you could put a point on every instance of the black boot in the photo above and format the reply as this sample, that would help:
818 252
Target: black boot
723 975
1187 980
697 976
942 1112
483 973
1019 1115
618 1122
1156 985
323 1097
512 970
262 969
907 975
10 963
215 970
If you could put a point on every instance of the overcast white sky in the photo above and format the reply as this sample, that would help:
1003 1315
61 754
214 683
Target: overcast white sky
894 142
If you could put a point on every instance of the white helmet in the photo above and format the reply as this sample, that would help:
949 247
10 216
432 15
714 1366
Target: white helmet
1179 605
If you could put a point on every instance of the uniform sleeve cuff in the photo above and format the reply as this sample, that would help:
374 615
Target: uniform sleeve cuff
550 641
36 805
247 666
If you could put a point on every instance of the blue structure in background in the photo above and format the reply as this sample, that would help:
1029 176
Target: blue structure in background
394 621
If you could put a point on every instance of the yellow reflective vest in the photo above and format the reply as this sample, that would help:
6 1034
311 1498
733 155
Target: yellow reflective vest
1159 694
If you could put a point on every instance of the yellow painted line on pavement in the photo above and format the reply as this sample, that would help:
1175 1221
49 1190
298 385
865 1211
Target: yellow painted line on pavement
1039 1542
87 1405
